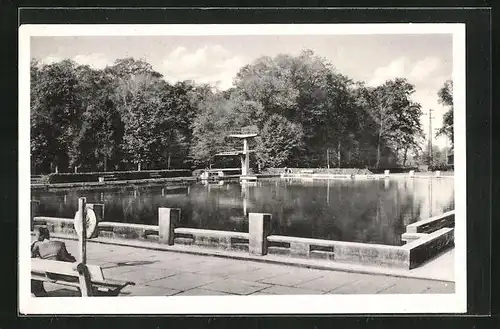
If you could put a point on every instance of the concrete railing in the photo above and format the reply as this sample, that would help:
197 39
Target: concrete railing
361 253
331 176
386 174
212 238
432 224
259 241
428 246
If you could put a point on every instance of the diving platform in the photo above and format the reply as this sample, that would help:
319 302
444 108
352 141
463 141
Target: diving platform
227 153
243 135
248 179
245 153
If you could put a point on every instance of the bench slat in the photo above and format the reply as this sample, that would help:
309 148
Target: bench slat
61 282
41 268
107 283
113 283
52 266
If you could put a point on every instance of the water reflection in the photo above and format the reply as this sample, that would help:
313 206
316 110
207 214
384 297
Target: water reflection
375 211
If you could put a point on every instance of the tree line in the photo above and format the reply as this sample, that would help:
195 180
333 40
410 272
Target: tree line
126 117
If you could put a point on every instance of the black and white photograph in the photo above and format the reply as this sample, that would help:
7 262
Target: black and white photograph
240 169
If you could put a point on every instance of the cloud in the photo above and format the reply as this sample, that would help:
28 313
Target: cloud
94 60
428 71
211 64
51 59
396 68
424 69
427 75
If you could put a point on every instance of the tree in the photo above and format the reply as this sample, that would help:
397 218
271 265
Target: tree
306 90
395 115
406 133
98 142
125 68
56 109
308 114
150 132
279 143
445 96
438 156
156 115
217 117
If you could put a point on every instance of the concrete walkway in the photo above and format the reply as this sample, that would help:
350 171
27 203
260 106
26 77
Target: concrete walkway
167 273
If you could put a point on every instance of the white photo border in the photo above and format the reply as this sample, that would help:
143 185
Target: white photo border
312 304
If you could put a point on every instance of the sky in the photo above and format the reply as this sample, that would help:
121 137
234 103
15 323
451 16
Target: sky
424 59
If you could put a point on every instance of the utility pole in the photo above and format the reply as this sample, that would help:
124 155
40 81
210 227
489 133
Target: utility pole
430 136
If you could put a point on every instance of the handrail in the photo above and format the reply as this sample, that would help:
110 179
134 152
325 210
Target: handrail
129 225
439 220
53 219
212 233
326 243
100 224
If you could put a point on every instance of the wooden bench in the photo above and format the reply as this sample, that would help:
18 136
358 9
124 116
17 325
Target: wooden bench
71 274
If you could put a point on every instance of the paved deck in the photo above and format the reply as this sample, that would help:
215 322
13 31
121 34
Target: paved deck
167 273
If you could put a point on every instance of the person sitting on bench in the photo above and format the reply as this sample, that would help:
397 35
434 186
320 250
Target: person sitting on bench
45 248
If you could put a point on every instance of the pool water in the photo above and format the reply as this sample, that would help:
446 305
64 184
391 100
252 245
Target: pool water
370 211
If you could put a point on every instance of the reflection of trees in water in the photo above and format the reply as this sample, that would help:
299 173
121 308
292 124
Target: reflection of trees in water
221 208
433 196
384 218
349 210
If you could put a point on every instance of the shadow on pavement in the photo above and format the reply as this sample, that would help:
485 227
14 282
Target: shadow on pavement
131 263
63 293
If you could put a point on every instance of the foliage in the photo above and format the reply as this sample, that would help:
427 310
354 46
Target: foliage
119 175
56 106
126 116
445 95
396 118
280 142
217 117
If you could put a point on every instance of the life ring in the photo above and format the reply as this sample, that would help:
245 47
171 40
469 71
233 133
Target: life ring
90 221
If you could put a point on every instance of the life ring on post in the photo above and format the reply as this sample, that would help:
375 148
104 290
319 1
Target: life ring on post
90 224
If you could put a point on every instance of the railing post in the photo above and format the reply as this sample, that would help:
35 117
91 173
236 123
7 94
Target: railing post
35 210
168 218
259 228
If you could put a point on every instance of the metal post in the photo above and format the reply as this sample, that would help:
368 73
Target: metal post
82 211
86 288
430 136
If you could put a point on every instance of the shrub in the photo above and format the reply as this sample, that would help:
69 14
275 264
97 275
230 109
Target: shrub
119 175
442 167
393 170
332 171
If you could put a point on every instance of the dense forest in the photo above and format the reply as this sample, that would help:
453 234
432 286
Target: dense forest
126 117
